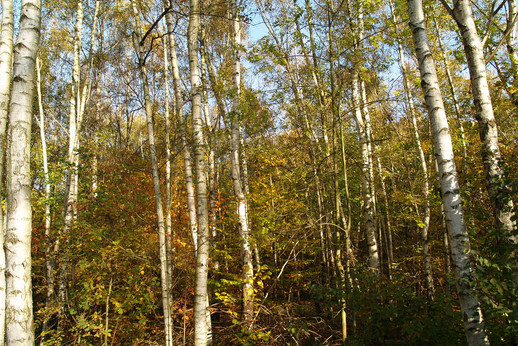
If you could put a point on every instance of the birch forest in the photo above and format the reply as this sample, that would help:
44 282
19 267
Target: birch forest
258 172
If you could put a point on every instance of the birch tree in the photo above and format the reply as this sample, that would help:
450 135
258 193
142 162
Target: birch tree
361 116
49 262
512 21
78 99
242 203
179 103
70 209
164 271
6 60
201 323
168 183
498 189
425 221
460 244
211 140
19 315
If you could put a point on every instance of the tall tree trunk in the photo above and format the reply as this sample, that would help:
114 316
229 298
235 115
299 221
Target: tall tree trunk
98 99
187 160
368 198
363 126
70 209
338 212
388 228
210 148
511 37
164 271
425 222
19 316
95 140
168 197
347 225
470 306
78 102
201 328
189 184
242 203
453 91
498 190
6 60
49 261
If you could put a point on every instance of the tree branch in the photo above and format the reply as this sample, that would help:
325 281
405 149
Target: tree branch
153 26
507 32
448 8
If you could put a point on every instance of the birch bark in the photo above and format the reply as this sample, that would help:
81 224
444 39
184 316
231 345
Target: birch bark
212 174
242 203
338 212
388 228
70 208
511 38
363 127
49 261
168 197
472 315
19 315
164 271
487 127
425 223
187 159
201 335
453 92
6 60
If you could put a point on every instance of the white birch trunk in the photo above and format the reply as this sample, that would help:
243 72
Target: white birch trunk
168 221
6 60
338 212
453 93
242 203
511 38
472 315
164 277
347 225
70 209
19 316
488 129
388 228
211 154
187 160
49 261
98 121
189 183
424 168
368 198
363 127
97 100
201 328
